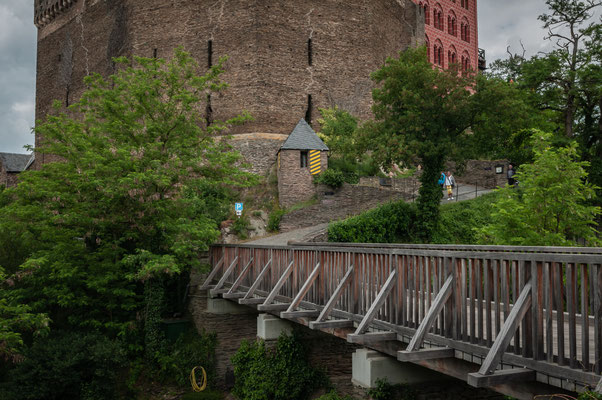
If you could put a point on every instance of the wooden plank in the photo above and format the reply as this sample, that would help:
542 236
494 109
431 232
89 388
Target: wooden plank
225 276
233 296
242 276
599 387
281 281
371 337
488 322
273 307
257 282
571 304
332 324
480 265
336 295
306 286
559 312
537 310
505 336
212 274
252 301
504 376
438 304
378 302
300 314
585 317
425 354
597 286
549 300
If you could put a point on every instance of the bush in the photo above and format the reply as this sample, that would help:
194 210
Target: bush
70 365
388 223
240 226
332 178
204 395
274 219
386 391
281 374
458 222
333 396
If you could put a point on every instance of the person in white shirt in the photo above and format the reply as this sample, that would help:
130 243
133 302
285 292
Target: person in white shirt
450 182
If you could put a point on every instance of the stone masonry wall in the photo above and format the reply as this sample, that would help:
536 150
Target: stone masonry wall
339 204
482 173
267 41
295 184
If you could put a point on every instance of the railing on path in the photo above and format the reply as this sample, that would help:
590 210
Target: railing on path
538 309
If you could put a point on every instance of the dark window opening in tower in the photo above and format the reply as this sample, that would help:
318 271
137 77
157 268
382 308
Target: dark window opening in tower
308 111
303 159
154 53
210 53
310 52
208 111
67 96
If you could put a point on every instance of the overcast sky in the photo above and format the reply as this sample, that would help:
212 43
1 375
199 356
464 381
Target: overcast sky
501 23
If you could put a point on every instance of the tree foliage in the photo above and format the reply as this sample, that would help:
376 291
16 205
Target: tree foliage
137 194
550 205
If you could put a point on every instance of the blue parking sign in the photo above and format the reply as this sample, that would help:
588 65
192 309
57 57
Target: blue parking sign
238 207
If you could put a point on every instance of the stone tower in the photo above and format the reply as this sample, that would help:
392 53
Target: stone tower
287 58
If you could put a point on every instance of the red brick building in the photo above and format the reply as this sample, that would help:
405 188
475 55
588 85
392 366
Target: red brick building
451 31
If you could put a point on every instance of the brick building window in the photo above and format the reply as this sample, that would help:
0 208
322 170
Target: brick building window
464 4
465 31
465 62
428 49
452 57
438 53
438 17
303 159
451 24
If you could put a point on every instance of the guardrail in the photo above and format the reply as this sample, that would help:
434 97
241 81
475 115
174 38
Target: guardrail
538 309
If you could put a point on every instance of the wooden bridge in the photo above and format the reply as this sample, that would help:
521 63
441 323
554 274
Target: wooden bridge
516 319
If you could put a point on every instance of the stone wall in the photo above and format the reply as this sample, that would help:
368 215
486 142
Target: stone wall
268 71
482 173
8 179
339 204
295 184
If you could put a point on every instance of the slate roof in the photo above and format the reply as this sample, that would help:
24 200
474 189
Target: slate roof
16 162
304 137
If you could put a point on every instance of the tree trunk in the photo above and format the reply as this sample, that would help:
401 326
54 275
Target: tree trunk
429 195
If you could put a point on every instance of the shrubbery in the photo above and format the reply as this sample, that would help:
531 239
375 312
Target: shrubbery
390 223
274 219
332 178
70 365
283 373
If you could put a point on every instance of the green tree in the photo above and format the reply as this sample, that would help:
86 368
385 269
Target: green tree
338 130
132 199
421 116
549 206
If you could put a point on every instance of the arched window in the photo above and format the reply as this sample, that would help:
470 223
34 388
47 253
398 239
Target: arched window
452 57
438 53
425 7
452 29
466 62
464 4
438 16
465 30
428 49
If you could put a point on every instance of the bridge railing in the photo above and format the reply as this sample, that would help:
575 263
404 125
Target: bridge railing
535 308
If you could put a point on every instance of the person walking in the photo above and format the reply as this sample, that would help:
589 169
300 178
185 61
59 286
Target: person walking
450 182
510 174
441 182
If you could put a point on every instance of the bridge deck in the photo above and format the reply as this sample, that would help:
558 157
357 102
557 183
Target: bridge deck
525 307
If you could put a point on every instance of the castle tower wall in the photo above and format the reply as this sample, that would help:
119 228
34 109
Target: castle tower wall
273 70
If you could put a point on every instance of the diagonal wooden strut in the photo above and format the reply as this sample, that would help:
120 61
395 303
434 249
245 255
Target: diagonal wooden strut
257 282
242 275
335 296
522 305
430 318
599 387
377 304
306 286
212 274
272 296
225 276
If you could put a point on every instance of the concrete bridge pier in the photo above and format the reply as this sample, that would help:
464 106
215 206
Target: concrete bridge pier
368 366
269 327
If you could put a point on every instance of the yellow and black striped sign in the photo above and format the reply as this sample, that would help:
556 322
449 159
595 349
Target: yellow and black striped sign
315 164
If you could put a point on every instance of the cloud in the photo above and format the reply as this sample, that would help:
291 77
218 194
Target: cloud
18 65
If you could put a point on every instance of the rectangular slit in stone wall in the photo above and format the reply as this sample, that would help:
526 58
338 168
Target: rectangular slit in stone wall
154 53
210 53
308 111
67 97
310 53
209 111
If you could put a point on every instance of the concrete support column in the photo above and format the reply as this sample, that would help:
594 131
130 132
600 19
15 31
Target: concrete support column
368 366
269 327
222 306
